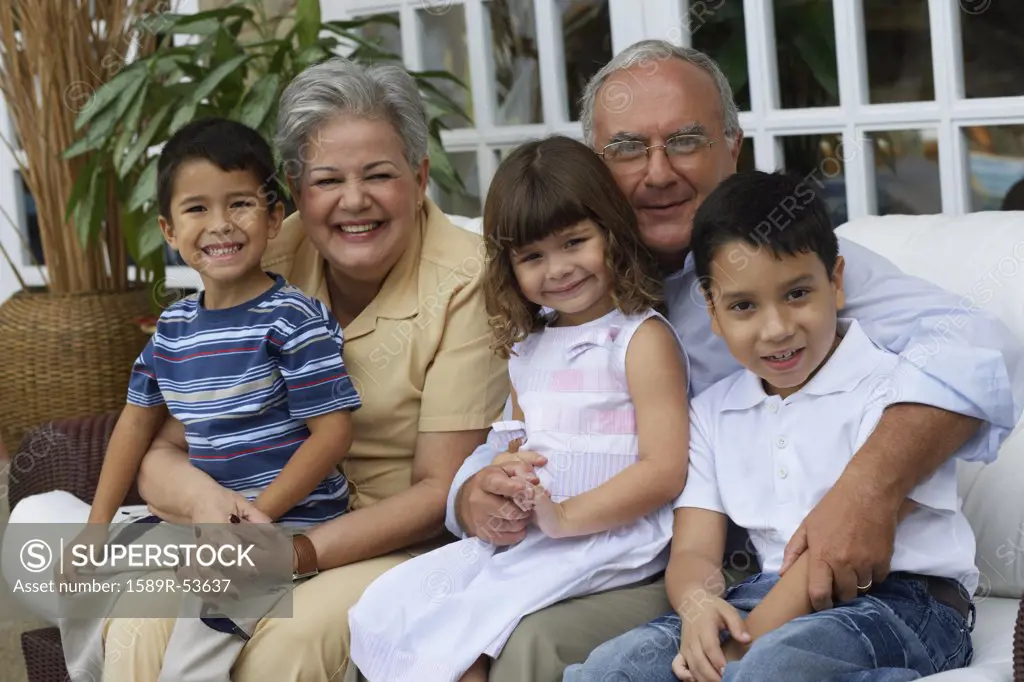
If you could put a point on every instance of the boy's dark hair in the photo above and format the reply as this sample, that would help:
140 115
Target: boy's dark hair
229 145
762 210
543 187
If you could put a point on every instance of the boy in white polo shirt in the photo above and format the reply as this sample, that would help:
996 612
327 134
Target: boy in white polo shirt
766 444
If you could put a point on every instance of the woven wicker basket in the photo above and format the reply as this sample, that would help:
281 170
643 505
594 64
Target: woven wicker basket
66 355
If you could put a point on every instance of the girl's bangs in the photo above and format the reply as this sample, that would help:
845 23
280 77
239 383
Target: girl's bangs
536 210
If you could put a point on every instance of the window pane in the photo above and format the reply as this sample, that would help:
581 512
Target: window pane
996 165
387 37
444 49
29 225
745 162
501 153
819 158
516 69
587 35
805 44
993 47
907 172
720 34
467 203
899 51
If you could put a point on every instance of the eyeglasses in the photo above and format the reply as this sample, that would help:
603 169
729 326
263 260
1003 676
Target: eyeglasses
633 153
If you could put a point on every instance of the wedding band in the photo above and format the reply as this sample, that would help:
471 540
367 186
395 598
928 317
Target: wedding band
865 588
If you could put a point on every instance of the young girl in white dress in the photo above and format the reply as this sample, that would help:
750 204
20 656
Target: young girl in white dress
599 388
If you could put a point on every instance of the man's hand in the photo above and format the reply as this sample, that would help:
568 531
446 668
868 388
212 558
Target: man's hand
850 540
700 651
486 505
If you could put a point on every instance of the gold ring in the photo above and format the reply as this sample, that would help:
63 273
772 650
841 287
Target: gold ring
865 588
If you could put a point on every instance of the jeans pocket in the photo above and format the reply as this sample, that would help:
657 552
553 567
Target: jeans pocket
937 626
951 636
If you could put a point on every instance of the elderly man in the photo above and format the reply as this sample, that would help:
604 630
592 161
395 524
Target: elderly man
664 120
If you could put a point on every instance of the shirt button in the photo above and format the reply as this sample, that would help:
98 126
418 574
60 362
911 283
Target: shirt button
773 407
783 473
781 442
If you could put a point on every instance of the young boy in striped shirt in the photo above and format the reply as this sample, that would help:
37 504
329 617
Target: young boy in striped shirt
250 366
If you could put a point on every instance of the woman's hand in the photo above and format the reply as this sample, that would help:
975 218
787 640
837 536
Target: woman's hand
700 652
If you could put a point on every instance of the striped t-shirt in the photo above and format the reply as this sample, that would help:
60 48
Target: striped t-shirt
243 380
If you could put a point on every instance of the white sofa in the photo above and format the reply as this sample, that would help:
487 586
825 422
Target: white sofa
980 254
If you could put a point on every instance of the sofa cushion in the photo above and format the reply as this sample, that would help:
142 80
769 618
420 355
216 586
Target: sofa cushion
981 257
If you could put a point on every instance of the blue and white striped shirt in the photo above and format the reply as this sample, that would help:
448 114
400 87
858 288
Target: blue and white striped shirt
243 380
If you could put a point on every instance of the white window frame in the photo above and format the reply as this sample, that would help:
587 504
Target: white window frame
766 122
627 26
14 237
631 20
855 118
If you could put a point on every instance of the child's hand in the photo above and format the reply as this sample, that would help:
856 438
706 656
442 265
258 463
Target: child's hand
509 456
520 466
549 516
700 653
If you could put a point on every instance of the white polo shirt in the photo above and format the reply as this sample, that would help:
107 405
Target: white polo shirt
766 461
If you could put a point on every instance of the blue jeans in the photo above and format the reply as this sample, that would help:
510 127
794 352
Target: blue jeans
897 632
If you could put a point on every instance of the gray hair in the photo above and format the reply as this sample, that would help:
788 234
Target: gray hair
340 87
646 51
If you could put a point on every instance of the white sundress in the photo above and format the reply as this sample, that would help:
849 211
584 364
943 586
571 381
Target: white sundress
431 617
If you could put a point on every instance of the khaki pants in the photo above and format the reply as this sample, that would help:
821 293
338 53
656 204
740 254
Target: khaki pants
546 642
311 646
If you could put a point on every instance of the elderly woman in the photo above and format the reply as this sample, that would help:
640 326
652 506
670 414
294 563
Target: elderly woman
405 285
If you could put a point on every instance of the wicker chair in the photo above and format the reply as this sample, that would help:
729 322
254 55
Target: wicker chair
61 455
68 455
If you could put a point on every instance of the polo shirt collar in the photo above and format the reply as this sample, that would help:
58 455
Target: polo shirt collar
851 362
399 295
398 298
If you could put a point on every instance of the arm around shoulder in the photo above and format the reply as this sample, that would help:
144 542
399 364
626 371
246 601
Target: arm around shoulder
967 358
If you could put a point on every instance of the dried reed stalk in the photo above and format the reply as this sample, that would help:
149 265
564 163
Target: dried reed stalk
53 54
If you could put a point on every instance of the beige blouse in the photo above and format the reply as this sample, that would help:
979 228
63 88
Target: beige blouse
418 355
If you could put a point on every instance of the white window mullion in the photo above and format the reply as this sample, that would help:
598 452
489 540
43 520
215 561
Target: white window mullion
481 65
662 19
412 38
947 65
991 110
482 82
762 69
331 10
358 8
851 62
627 22
551 48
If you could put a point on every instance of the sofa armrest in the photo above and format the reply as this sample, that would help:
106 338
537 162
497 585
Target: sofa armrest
64 455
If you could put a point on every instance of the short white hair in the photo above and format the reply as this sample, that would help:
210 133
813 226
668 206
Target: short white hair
339 87
649 50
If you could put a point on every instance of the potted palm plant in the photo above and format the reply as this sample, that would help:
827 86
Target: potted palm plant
102 237
72 340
